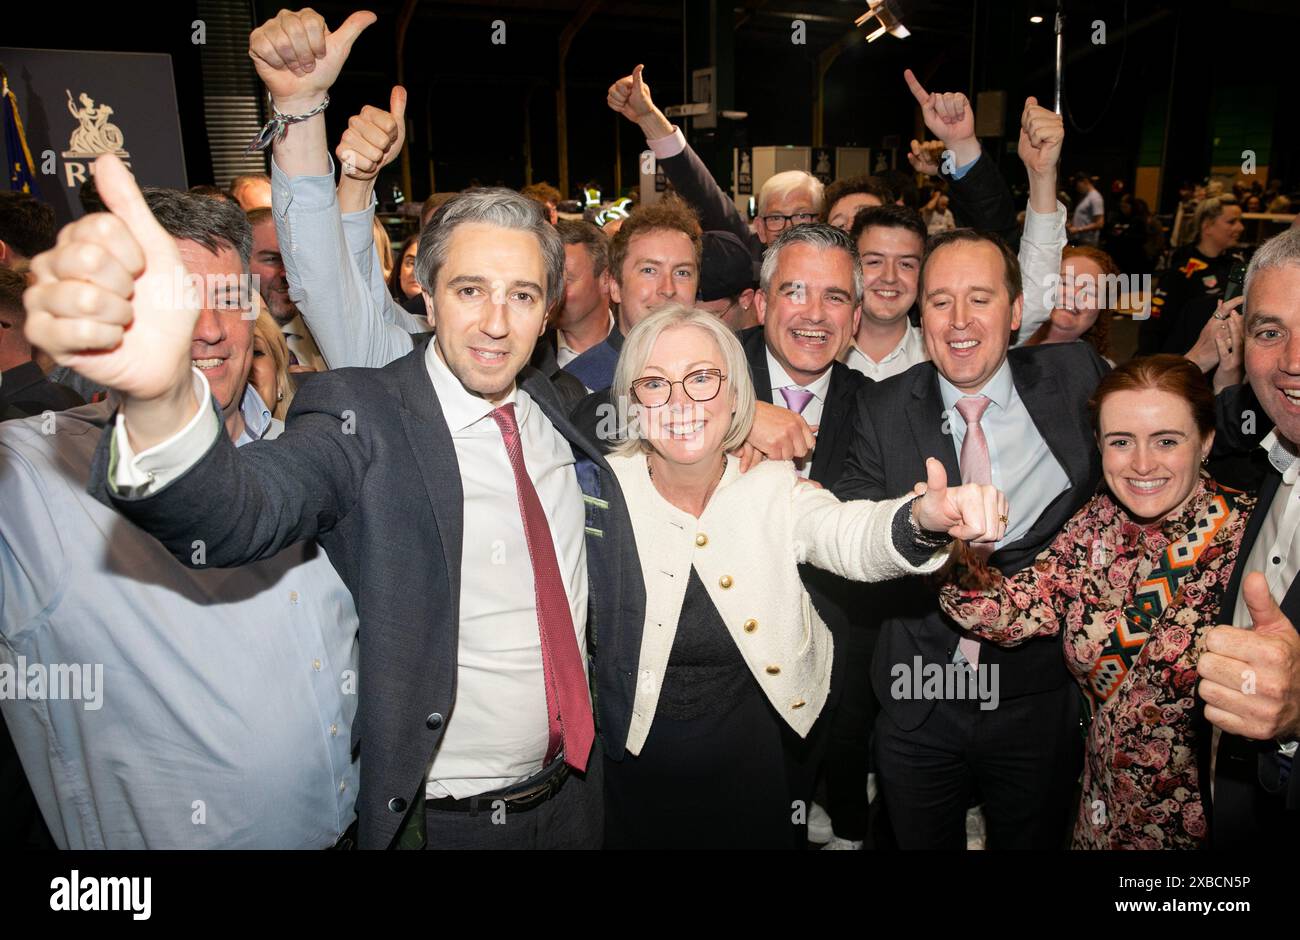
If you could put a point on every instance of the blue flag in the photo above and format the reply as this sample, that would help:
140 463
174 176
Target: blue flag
22 170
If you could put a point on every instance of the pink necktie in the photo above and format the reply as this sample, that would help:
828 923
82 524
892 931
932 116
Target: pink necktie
568 705
975 468
796 399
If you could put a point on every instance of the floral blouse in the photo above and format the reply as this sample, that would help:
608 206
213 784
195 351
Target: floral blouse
1105 585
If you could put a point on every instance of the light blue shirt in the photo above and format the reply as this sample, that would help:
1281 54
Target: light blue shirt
1020 462
332 268
222 712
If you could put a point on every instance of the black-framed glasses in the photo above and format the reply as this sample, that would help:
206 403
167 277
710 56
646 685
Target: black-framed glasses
776 222
700 385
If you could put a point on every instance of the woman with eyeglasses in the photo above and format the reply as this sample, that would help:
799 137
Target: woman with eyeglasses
735 662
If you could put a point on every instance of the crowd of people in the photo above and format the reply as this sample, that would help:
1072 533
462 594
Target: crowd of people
646 526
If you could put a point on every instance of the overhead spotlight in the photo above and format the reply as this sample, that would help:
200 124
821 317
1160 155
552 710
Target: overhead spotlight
888 14
1035 19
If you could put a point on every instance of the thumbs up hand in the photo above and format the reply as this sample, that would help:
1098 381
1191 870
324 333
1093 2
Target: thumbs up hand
374 138
1250 678
630 96
111 299
298 58
972 512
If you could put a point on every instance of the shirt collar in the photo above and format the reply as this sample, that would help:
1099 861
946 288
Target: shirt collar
561 344
997 389
257 417
780 379
1282 455
460 407
911 339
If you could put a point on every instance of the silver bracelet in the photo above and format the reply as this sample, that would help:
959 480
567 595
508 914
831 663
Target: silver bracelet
924 538
276 128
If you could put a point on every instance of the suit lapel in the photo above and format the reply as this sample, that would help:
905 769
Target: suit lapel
827 455
1042 395
931 428
430 440
755 346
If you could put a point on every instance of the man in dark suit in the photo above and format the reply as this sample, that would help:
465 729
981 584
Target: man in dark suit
1250 671
451 454
1020 419
808 303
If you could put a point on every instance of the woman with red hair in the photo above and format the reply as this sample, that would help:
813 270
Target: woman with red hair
1130 585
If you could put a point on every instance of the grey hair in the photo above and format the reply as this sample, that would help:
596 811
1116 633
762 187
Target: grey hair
820 235
212 223
791 181
637 348
503 208
1277 252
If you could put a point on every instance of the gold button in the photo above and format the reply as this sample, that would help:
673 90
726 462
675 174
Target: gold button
725 581
751 626
773 670
798 703
701 540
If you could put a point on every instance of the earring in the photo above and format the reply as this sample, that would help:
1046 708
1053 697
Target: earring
279 396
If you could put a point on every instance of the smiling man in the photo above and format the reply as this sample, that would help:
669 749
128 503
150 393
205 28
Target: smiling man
1256 793
188 758
1018 420
455 455
654 260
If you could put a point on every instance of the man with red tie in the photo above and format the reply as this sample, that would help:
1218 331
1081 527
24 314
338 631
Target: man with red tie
464 513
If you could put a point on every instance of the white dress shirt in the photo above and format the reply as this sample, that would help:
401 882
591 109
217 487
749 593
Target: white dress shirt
909 351
497 733
1275 552
1022 465
812 412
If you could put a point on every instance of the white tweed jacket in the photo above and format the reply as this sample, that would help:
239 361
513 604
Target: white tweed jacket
757 528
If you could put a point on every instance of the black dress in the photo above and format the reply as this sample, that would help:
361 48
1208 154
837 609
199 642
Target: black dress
714 769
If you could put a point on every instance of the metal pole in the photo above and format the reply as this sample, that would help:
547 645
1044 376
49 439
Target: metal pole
1060 53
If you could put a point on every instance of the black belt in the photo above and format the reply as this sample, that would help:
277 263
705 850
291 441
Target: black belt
519 798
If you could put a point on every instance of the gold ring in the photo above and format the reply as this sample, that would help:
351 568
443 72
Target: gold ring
1002 519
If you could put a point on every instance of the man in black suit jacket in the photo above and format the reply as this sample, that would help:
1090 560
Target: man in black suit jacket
808 304
1250 672
935 753
371 468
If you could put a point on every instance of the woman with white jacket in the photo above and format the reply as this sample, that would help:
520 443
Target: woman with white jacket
735 663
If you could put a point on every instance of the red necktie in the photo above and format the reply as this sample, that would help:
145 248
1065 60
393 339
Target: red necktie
975 468
568 705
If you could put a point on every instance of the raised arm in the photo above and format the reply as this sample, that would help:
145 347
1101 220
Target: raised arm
874 541
630 97
373 140
1042 133
977 194
324 280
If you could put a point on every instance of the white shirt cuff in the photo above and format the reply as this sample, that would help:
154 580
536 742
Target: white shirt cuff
150 470
670 146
